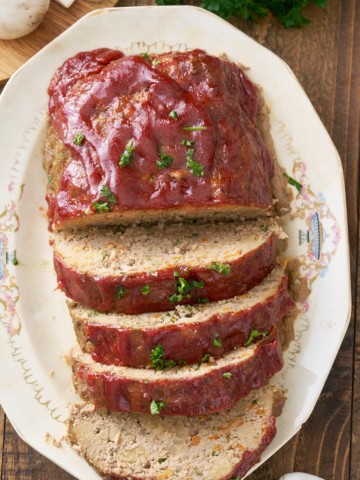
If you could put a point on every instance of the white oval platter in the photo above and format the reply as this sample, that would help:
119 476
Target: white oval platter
35 328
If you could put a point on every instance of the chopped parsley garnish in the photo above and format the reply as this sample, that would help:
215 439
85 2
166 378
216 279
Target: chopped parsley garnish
227 375
14 261
183 287
49 179
155 62
157 359
255 334
145 55
155 407
187 143
146 289
162 459
165 160
121 292
106 192
195 128
78 140
126 156
101 207
222 268
173 115
206 358
93 313
217 342
293 182
195 167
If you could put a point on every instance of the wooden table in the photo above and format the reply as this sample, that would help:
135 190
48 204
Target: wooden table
325 56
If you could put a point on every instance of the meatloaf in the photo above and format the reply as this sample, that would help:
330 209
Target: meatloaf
159 340
208 387
143 447
148 269
144 137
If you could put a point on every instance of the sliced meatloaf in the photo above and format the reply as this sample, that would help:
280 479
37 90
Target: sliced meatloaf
149 269
208 387
143 447
143 137
186 334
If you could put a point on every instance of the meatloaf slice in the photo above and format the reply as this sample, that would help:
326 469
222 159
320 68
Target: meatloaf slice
184 335
149 269
138 138
143 447
187 390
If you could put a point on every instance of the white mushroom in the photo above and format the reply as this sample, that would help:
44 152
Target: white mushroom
20 17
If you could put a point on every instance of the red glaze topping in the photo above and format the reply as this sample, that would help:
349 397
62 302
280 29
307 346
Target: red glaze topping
112 100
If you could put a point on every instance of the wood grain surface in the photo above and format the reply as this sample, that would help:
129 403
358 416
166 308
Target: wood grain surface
325 56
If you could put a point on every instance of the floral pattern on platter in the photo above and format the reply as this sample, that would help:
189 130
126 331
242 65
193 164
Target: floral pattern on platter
321 233
9 290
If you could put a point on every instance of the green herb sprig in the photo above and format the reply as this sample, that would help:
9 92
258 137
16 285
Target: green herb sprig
126 156
289 12
255 334
157 360
222 268
155 407
183 288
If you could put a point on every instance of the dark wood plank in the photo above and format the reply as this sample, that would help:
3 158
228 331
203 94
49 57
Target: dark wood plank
322 57
2 436
21 462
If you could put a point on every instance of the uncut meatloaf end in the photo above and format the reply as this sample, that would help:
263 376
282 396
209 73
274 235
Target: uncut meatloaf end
142 447
148 269
185 334
187 390
112 126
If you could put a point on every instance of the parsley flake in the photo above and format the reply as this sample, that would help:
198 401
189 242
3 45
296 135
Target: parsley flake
157 359
145 55
187 143
173 114
106 192
255 334
195 167
206 358
222 268
78 140
146 289
155 62
183 288
155 407
126 156
165 160
227 375
101 207
217 342
162 459
293 182
121 292
195 128
14 261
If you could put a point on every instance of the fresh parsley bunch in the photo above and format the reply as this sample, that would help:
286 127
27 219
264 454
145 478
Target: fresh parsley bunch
289 12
